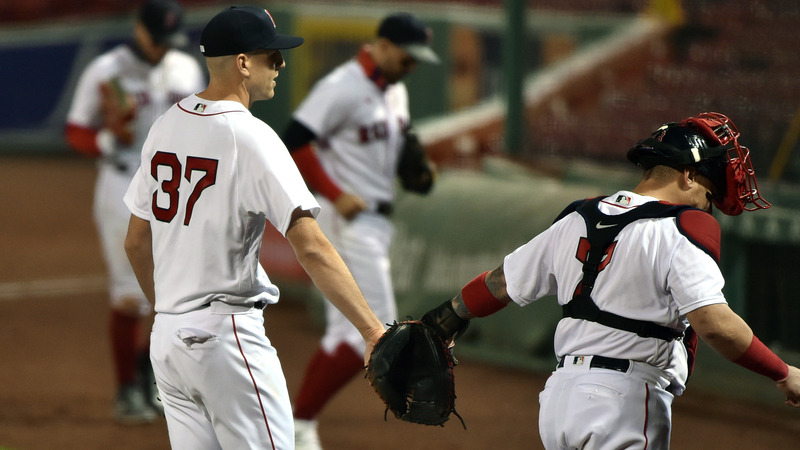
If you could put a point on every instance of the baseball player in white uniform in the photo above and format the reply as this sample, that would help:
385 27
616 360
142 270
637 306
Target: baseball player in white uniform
358 117
632 271
211 176
154 76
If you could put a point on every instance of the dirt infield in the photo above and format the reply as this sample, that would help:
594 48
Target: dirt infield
56 380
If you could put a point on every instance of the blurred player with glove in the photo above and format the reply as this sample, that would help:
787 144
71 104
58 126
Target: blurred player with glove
118 97
351 138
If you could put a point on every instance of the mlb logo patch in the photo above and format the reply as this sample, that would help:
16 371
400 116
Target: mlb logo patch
623 199
577 360
200 107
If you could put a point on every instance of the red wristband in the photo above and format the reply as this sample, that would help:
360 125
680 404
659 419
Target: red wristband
761 360
477 298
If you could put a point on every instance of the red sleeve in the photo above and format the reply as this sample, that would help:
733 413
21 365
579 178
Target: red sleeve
82 139
702 229
312 171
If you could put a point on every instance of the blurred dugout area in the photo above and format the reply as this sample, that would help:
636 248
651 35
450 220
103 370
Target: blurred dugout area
599 76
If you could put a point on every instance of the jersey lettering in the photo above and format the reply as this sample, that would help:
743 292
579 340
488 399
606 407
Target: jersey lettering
142 98
403 124
209 166
171 186
373 132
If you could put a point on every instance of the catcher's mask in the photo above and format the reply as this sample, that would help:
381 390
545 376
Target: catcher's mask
710 143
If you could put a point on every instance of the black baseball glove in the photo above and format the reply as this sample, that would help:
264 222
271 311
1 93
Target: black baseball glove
411 368
416 171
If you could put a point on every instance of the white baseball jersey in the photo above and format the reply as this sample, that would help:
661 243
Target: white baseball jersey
359 123
211 174
654 274
155 89
359 128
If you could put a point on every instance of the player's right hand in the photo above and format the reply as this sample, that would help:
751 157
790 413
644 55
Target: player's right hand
349 205
791 387
371 338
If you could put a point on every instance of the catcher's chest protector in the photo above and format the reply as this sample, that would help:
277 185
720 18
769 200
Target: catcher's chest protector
601 230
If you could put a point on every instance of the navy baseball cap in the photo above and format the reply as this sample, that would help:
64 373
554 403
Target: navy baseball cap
242 29
163 20
409 33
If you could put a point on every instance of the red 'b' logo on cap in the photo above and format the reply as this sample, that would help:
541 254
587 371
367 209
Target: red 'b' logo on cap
659 134
270 18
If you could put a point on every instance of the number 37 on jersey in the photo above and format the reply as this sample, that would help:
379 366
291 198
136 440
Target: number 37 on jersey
167 168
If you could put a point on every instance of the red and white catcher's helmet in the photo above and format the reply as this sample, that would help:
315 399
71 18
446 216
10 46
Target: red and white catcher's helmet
709 142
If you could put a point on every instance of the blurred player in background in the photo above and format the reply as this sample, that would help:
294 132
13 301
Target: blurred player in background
358 118
637 277
118 97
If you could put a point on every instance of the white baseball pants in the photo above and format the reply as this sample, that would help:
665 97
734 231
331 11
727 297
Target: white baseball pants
601 409
220 380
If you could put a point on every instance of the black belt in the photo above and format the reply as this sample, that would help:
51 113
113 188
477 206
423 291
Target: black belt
385 208
261 304
602 362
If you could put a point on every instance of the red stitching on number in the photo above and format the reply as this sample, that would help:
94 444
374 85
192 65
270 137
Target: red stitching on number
255 385
646 413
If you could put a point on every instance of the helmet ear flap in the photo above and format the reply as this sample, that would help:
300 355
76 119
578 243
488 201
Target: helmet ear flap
730 203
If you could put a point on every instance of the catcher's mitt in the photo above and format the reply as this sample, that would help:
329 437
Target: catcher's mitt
411 369
119 110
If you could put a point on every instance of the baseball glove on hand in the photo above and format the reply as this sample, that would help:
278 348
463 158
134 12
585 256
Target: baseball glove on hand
417 173
119 110
411 369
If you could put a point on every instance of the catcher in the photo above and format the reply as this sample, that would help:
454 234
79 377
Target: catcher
631 271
